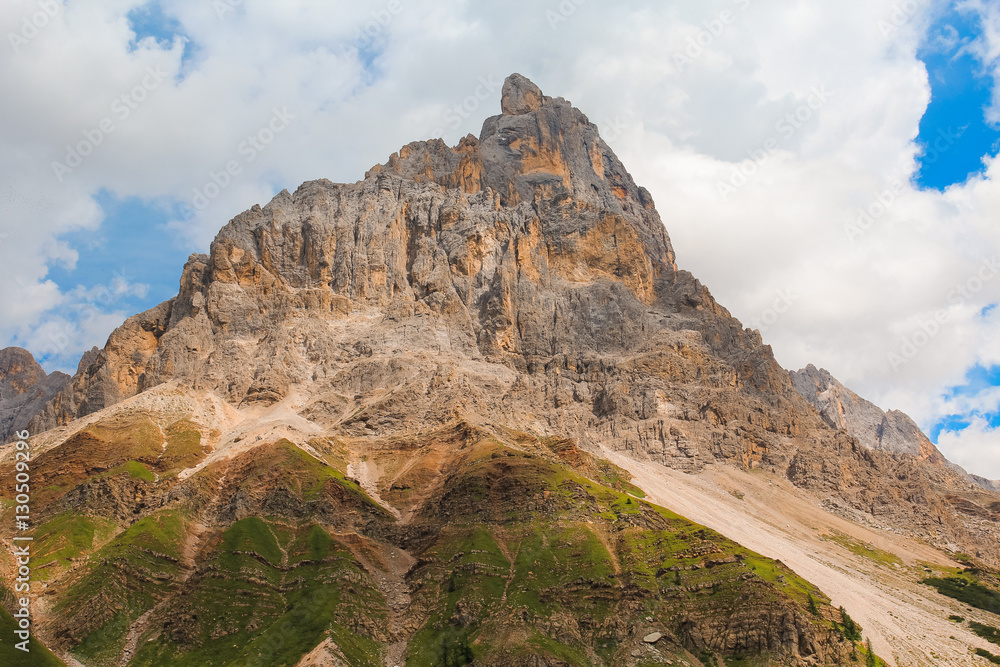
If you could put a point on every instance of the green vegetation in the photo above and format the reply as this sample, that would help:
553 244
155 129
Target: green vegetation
987 632
183 449
37 655
533 537
867 551
957 619
105 600
65 537
254 606
852 630
968 591
311 476
513 549
134 469
983 653
871 660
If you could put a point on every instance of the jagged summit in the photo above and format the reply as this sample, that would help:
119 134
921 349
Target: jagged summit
891 430
874 428
521 96
543 152
529 242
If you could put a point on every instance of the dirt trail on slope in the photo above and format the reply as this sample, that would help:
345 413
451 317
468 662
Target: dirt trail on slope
907 621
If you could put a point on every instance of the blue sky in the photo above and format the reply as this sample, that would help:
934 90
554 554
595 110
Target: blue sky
953 130
133 261
956 136
978 380
150 21
132 242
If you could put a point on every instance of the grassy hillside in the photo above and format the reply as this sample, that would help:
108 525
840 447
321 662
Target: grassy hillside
522 552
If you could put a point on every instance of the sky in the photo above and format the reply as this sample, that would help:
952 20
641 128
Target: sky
827 169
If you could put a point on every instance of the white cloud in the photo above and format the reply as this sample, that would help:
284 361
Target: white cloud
976 448
681 128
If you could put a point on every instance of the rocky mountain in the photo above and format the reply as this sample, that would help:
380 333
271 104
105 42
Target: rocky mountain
991 484
892 431
372 429
841 408
25 388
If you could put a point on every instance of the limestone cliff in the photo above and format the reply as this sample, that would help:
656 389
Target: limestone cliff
874 428
892 431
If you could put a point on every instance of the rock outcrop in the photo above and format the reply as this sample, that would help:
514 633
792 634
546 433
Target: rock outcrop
891 431
25 389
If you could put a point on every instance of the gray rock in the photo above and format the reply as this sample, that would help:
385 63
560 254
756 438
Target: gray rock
520 96
843 409
25 388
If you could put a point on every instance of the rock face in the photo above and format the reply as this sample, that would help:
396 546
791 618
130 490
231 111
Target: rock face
25 388
991 484
523 272
841 408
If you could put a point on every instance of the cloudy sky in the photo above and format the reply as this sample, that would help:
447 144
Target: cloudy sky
827 169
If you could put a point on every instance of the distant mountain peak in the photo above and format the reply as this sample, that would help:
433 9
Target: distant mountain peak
874 428
24 389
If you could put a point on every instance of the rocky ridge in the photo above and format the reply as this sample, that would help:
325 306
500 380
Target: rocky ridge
892 431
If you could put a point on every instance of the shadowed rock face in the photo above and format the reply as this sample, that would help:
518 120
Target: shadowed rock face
518 278
24 389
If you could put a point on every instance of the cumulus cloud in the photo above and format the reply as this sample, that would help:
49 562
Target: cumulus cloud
974 448
777 138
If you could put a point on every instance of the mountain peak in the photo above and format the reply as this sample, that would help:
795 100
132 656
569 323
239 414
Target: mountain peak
520 96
